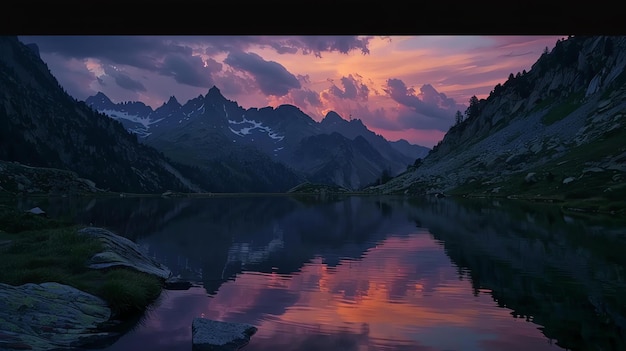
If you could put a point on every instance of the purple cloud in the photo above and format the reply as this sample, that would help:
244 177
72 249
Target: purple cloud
302 97
352 89
144 51
428 109
190 70
272 77
309 44
318 44
136 51
123 80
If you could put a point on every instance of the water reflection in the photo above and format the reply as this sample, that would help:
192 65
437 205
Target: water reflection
377 273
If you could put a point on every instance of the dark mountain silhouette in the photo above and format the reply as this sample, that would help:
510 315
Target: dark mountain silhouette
211 129
556 131
41 125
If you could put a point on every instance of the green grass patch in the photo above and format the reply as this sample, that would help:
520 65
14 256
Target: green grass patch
128 291
562 110
50 252
589 191
14 221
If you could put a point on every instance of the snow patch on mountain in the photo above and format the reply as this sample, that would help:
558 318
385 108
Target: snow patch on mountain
246 127
144 121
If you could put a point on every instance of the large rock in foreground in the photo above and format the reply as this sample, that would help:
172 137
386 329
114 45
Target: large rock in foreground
122 252
210 335
50 316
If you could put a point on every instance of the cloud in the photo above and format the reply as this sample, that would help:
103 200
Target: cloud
233 84
271 76
190 70
318 44
144 51
426 110
136 51
123 80
305 99
309 44
352 89
302 97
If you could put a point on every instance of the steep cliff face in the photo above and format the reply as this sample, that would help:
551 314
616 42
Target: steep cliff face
42 126
562 119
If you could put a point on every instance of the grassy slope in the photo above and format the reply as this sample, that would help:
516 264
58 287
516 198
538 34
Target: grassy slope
35 249
589 190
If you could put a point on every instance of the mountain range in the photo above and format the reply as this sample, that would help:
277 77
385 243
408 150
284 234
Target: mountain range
554 133
208 144
210 130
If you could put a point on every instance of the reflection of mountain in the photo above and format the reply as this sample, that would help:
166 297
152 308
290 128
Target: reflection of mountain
331 231
559 272
214 239
541 267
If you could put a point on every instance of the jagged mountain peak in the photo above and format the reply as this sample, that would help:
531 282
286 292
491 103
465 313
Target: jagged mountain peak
100 96
172 102
357 122
289 107
100 102
332 117
214 92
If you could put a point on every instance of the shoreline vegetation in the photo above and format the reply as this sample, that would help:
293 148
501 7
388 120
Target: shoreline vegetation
590 204
37 249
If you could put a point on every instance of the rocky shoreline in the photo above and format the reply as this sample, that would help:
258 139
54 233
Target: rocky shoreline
53 316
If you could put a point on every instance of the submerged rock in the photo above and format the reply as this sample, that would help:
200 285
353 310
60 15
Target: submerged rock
37 211
50 316
122 252
214 335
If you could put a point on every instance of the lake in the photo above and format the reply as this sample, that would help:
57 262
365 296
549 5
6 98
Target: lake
373 273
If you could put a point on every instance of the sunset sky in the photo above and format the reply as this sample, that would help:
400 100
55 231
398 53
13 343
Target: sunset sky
400 86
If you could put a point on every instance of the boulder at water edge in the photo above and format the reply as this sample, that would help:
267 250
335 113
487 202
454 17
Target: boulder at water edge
211 335
122 252
50 316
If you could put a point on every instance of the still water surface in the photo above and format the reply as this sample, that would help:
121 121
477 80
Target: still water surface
374 273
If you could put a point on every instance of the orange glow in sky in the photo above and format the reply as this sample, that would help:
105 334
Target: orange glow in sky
367 77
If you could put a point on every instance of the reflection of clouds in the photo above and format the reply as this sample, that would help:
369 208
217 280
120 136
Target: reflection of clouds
404 290
401 294
246 254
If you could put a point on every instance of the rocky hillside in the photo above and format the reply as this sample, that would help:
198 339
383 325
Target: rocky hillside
16 178
42 126
555 131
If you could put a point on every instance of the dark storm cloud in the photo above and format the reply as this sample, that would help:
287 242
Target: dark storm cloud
161 55
272 77
190 70
318 44
285 45
173 55
301 97
428 109
137 51
233 84
352 89
123 80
